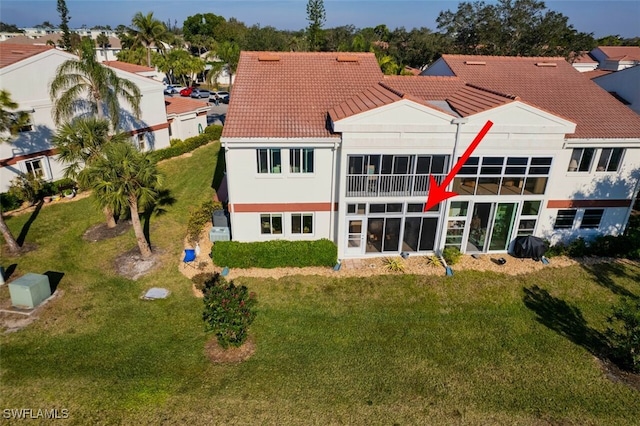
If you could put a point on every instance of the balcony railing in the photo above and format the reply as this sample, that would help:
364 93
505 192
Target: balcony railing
389 185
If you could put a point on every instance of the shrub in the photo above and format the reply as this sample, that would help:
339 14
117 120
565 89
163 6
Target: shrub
274 254
451 255
624 334
556 250
10 201
198 217
394 264
27 187
229 310
178 147
434 261
205 280
578 248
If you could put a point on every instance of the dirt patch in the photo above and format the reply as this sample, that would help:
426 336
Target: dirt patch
132 265
615 374
101 232
24 248
217 354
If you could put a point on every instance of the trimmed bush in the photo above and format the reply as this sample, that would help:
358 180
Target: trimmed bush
199 216
451 255
179 147
274 254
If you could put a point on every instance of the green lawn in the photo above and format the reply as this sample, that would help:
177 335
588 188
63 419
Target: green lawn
470 349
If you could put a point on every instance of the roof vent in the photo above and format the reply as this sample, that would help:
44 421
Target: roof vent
17 52
347 58
546 64
268 58
475 63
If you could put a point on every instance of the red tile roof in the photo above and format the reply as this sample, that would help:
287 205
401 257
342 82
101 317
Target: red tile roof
180 105
373 97
621 53
125 66
288 94
555 86
597 73
429 88
12 53
471 100
584 58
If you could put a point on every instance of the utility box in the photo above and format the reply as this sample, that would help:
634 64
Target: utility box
219 233
29 290
219 219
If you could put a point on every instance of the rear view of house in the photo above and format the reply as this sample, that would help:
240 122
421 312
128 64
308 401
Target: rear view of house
322 145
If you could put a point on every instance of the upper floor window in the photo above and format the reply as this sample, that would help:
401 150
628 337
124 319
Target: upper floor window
581 159
301 160
564 219
610 159
269 160
591 218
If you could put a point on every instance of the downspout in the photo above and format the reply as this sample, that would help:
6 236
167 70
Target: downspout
333 191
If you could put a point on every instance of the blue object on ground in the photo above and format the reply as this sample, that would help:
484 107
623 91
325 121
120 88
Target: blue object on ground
545 261
189 257
449 271
337 266
225 271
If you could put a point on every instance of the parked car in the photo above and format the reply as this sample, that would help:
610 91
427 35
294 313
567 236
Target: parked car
172 89
186 91
200 93
220 95
225 100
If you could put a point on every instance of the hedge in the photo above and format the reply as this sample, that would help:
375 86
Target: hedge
274 254
178 147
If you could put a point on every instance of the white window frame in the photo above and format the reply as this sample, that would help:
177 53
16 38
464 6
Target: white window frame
270 156
607 163
575 162
298 163
528 217
302 217
44 167
269 231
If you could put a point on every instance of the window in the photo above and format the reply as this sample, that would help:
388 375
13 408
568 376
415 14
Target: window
581 159
271 224
610 159
564 219
302 223
528 217
591 218
269 160
141 138
301 160
35 168
356 208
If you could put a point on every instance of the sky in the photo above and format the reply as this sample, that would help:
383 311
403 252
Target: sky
601 17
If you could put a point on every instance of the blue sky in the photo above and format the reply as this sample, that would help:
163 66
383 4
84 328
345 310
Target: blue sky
600 17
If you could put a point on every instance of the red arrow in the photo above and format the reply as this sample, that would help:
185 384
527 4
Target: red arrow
437 193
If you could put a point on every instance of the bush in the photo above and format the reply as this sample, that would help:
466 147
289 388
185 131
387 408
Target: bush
274 254
229 310
199 217
624 334
205 280
434 261
178 147
27 187
578 248
394 264
451 255
556 250
10 201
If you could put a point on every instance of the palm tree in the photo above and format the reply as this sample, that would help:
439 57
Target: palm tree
85 80
82 141
9 122
229 52
147 31
125 177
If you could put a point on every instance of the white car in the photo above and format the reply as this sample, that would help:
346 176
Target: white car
220 95
172 89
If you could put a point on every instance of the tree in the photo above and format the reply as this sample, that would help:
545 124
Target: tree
9 28
102 41
10 122
125 178
316 17
624 334
83 81
179 64
147 31
229 52
511 27
136 56
65 41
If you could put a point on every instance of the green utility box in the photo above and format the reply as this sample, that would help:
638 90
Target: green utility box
29 290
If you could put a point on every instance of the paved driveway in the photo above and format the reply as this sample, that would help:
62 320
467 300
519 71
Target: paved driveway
217 114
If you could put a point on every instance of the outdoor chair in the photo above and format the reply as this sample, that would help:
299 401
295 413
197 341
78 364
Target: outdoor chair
189 257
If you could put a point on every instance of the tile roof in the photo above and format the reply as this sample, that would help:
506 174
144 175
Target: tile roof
621 53
19 39
180 105
472 99
12 53
288 94
372 97
125 66
597 73
584 58
553 85
429 88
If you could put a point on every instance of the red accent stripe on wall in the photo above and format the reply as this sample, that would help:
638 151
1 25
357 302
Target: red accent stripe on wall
150 129
568 204
14 160
282 207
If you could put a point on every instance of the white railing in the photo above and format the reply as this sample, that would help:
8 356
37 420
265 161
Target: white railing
389 185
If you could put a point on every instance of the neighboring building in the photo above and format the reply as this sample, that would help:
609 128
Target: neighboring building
616 58
26 72
623 85
585 62
345 153
140 70
187 117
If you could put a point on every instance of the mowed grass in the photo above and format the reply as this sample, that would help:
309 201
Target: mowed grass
475 348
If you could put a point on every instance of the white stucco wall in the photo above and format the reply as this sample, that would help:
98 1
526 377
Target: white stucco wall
625 83
184 126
